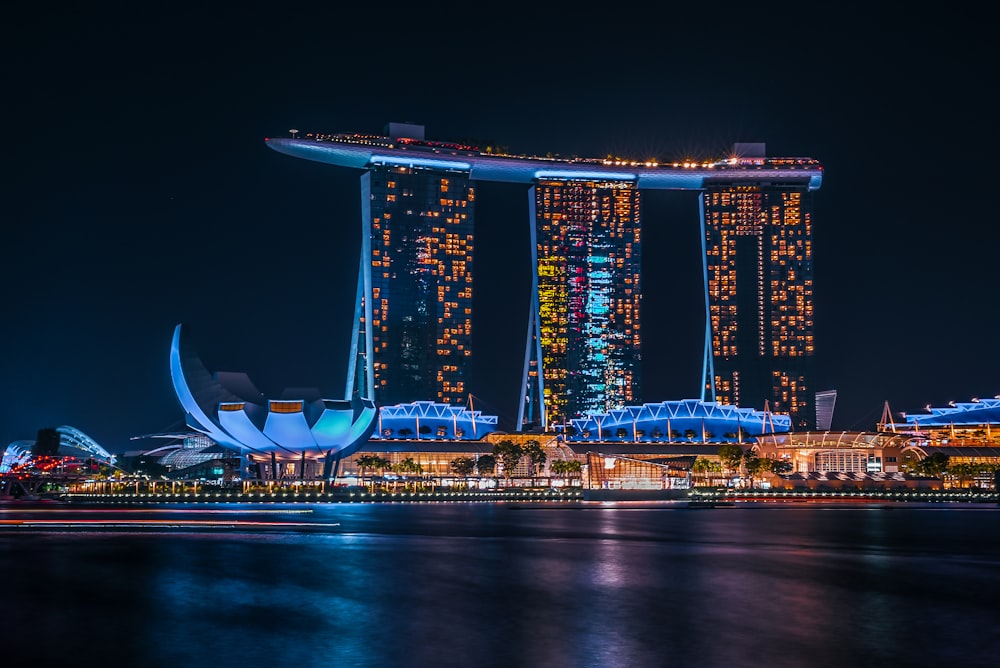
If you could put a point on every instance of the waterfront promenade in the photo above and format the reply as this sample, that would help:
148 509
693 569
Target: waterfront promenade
700 495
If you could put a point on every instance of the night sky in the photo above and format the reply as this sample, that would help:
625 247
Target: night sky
139 192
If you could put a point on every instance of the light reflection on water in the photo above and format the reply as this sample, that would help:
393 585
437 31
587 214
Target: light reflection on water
532 585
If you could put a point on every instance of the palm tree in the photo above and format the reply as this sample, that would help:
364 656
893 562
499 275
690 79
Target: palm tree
704 466
408 466
367 462
563 467
558 467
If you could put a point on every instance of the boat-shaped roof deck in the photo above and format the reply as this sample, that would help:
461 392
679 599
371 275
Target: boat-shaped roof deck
365 151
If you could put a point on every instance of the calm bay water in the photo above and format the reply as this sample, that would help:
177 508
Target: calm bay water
505 585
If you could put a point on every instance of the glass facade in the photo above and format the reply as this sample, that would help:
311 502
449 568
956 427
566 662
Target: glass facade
583 344
759 264
587 236
421 233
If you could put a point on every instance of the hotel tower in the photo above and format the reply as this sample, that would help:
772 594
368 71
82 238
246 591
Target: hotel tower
418 236
584 319
759 280
413 325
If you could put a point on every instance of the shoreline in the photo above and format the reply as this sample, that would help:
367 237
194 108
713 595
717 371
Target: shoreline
698 497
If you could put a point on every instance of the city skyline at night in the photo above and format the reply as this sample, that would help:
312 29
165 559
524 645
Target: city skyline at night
568 236
583 348
140 194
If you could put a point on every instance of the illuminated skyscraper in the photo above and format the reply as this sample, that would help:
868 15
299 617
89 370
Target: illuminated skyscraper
583 350
421 248
759 280
584 322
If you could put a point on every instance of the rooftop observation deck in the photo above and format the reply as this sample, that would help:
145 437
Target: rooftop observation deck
364 151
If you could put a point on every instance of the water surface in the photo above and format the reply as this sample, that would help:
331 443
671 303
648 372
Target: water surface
492 584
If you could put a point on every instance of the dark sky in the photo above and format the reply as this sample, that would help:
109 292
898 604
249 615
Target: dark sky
138 192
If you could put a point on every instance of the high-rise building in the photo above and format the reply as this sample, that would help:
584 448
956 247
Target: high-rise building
414 320
759 287
421 248
584 324
826 401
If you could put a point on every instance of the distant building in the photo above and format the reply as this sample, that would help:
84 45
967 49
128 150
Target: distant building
72 443
826 401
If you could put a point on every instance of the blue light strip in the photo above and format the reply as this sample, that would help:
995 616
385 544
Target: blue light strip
407 161
365 290
575 175
523 168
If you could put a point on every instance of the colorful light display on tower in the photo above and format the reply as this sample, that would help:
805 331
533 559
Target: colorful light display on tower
585 325
583 352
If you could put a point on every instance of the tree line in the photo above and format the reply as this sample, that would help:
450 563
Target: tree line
507 457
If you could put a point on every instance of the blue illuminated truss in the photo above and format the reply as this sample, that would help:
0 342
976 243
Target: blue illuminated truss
975 412
682 421
429 420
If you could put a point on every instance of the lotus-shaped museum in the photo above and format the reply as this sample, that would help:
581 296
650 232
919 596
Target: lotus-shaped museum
226 407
